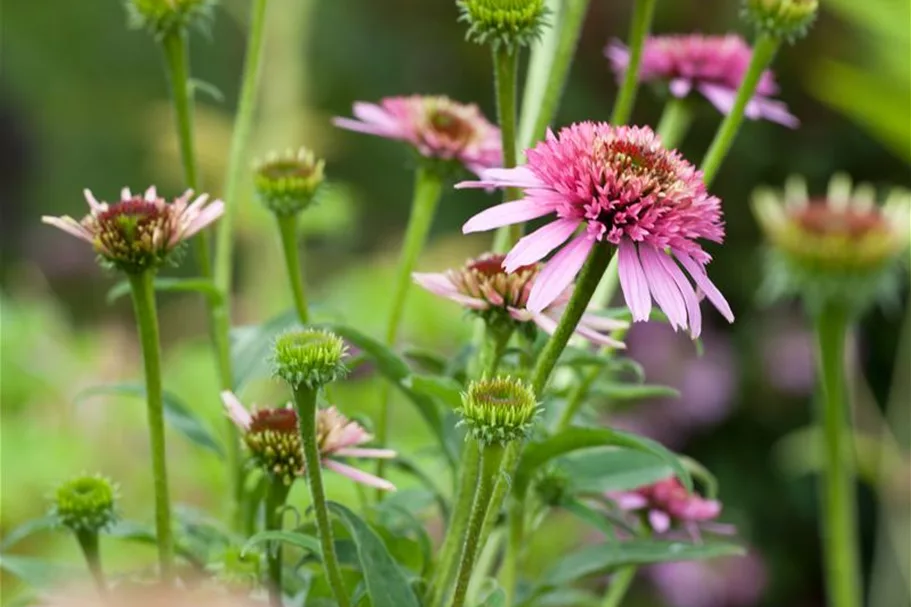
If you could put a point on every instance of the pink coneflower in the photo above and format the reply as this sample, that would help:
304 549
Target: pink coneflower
436 126
139 232
273 437
623 188
483 286
712 65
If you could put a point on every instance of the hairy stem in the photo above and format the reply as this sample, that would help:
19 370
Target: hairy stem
643 12
277 493
505 71
287 228
88 542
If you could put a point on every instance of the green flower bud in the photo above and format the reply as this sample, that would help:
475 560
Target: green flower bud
785 19
162 17
552 486
311 357
85 504
286 185
499 410
274 441
512 23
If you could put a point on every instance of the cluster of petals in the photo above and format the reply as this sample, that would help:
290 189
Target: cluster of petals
668 502
714 66
337 436
483 285
617 186
436 126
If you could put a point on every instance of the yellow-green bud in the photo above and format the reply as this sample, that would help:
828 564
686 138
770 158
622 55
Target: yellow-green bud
512 23
287 184
162 17
85 504
311 358
499 410
785 19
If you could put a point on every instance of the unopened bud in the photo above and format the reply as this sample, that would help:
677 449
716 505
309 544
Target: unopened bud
287 184
85 504
499 410
785 19
311 358
512 23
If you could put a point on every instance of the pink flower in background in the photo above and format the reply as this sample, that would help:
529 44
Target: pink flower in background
731 581
667 503
621 186
483 286
712 65
273 437
436 126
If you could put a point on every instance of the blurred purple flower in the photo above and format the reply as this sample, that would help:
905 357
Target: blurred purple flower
734 581
787 355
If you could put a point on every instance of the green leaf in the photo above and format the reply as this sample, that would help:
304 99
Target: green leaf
35 572
601 469
591 517
386 583
701 473
428 359
176 413
300 540
621 391
408 466
171 285
251 347
603 557
141 533
26 529
445 389
539 453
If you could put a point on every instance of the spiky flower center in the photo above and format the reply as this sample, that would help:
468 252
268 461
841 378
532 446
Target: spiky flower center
278 420
134 234
288 184
274 441
499 410
85 504
484 278
511 23
311 357
822 219
286 169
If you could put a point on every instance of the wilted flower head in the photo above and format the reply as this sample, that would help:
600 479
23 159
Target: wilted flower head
140 233
485 288
842 245
273 438
161 17
85 504
712 65
437 127
667 503
286 184
623 188
509 23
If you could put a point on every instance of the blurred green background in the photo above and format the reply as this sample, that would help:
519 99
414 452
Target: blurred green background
83 103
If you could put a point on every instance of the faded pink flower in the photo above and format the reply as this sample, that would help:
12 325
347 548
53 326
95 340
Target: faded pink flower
139 232
713 65
436 126
273 437
730 581
483 286
624 188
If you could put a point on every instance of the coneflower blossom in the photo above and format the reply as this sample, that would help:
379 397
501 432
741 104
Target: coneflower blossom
436 126
273 438
712 65
624 188
139 232
484 287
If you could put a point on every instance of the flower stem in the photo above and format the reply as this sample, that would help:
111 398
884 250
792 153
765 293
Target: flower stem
763 52
491 458
619 584
147 324
88 542
586 284
287 228
675 122
305 402
643 12
515 535
575 401
505 72
275 501
839 534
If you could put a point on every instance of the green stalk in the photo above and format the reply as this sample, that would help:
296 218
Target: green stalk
619 584
287 228
147 324
675 122
643 12
491 458
505 72
427 190
586 284
839 520
763 52
305 402
540 63
88 542
575 400
276 495
515 534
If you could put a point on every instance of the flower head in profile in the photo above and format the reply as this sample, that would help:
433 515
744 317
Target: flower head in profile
621 187
486 289
436 126
713 66
273 438
667 505
140 232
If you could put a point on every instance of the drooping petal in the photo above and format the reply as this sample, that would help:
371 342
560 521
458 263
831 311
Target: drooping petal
680 87
506 214
775 111
361 452
372 113
604 323
663 287
205 217
559 273
538 244
70 226
362 127
719 96
633 282
689 295
358 475
439 284
659 520
583 329
236 411
697 271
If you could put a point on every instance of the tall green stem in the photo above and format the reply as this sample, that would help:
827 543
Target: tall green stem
763 52
643 12
839 532
675 122
275 502
305 402
619 584
586 284
491 458
88 542
505 71
287 228
147 324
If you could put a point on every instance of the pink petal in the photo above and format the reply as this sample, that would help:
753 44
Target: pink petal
371 453
618 55
96 206
600 339
70 226
628 500
506 214
358 475
236 411
374 114
721 97
680 87
689 295
439 284
539 243
151 194
125 194
659 520
518 177
205 217
697 271
603 323
363 127
633 282
775 111
663 287
558 273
